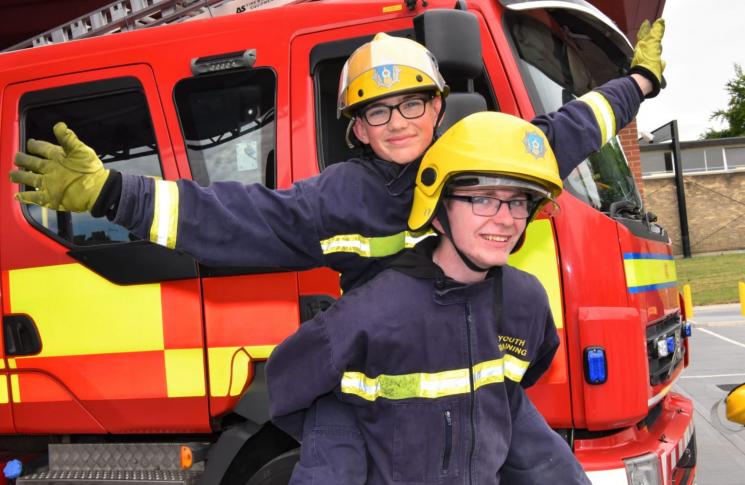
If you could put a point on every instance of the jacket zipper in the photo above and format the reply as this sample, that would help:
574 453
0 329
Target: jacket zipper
448 441
473 394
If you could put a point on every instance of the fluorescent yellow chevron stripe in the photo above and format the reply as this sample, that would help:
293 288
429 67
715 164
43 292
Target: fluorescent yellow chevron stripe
109 318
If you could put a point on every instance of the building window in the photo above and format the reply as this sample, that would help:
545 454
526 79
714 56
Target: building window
714 159
735 157
656 162
694 160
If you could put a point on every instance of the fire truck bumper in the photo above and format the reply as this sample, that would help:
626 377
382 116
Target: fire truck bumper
659 451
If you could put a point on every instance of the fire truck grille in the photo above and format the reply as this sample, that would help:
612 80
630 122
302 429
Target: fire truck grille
665 350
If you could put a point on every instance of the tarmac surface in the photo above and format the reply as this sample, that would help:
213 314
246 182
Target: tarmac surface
717 358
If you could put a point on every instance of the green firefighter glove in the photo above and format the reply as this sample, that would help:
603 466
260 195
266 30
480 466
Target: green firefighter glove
647 59
68 176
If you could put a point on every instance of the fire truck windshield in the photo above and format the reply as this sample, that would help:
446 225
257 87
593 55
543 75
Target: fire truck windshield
556 72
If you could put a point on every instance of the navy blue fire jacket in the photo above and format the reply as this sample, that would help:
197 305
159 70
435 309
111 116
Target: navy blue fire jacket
434 387
350 217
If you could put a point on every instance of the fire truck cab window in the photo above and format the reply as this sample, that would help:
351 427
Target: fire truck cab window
556 71
111 117
228 125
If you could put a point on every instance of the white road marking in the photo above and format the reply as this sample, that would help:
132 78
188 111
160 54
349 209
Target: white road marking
721 337
712 376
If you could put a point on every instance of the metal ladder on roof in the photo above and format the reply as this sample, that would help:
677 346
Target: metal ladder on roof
123 15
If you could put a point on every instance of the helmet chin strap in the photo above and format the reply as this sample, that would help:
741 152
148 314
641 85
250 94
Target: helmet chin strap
440 116
442 216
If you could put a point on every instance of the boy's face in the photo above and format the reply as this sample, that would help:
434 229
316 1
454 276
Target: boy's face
485 240
400 140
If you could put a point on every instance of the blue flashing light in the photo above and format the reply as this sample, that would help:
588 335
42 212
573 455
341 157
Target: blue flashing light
596 365
13 469
687 329
670 344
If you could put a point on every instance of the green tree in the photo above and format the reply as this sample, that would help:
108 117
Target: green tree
734 114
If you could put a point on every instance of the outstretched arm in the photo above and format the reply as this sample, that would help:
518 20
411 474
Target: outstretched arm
226 224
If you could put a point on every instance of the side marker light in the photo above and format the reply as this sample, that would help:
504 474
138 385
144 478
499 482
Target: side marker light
596 365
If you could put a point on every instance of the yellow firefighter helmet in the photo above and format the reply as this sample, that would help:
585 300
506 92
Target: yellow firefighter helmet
387 66
485 149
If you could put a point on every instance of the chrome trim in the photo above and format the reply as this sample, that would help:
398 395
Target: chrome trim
663 392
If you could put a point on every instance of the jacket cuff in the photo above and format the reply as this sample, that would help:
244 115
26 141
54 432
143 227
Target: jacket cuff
108 200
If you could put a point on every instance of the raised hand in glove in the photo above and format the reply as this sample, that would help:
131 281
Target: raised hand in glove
647 59
68 176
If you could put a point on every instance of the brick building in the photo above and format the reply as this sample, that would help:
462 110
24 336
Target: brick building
714 181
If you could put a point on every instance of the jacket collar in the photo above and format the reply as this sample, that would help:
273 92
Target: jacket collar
399 178
417 263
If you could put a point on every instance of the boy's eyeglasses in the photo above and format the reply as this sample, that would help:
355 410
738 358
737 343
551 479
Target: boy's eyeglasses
380 114
489 206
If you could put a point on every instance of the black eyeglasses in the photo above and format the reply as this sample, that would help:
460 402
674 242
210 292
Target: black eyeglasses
380 114
489 206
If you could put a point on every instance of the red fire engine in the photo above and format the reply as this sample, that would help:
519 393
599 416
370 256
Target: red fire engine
124 359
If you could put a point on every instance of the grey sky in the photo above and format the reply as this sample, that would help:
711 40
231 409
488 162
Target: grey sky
703 40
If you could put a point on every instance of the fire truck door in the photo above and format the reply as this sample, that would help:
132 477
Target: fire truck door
108 330
232 126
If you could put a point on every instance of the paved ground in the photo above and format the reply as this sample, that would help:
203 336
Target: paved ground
718 357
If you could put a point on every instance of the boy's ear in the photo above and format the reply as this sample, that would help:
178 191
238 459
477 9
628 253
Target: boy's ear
436 224
437 103
360 130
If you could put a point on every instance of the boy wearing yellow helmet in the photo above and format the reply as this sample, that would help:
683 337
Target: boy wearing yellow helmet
435 395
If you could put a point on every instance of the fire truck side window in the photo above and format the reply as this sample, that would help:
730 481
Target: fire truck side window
112 117
556 72
228 125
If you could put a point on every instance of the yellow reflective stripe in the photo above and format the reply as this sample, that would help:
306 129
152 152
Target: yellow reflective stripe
184 372
373 247
647 272
108 319
406 386
4 398
433 385
514 368
165 214
489 372
604 115
346 243
15 387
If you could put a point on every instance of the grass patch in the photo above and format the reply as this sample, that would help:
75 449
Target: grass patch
713 279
